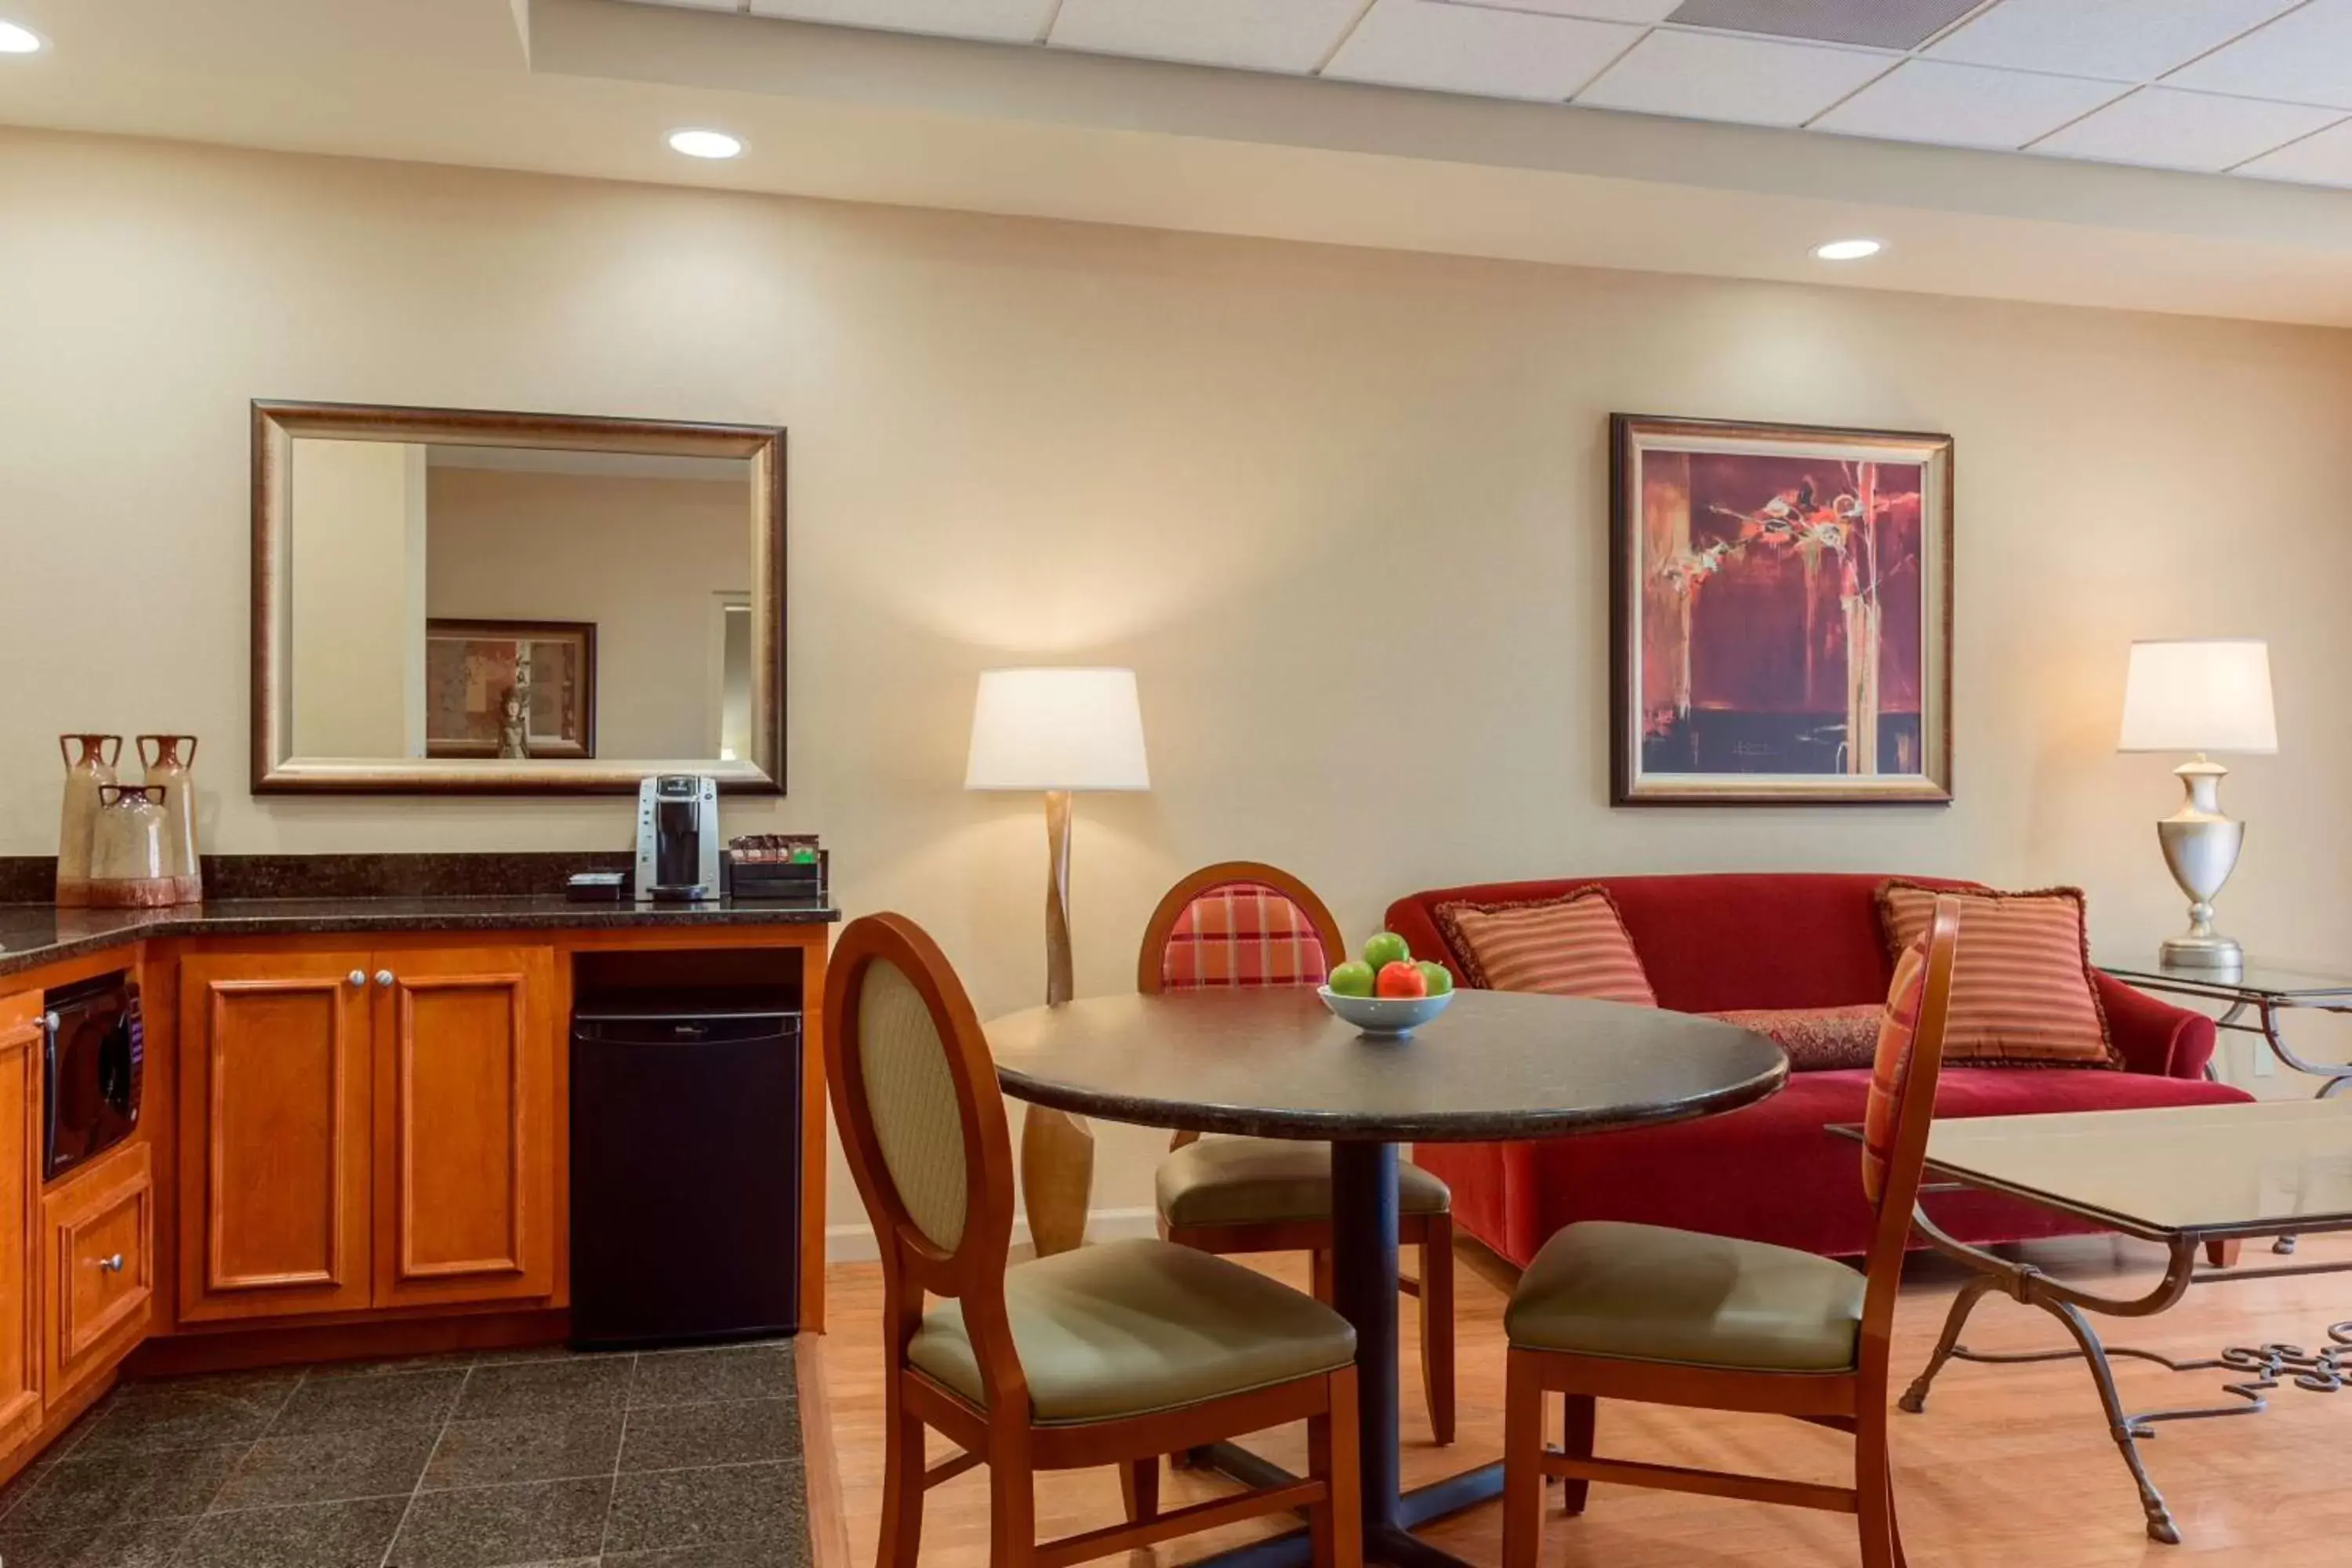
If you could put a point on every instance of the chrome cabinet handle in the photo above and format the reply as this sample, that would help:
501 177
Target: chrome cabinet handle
112 1265
359 977
383 977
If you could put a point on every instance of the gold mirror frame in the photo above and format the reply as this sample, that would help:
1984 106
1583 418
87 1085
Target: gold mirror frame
276 772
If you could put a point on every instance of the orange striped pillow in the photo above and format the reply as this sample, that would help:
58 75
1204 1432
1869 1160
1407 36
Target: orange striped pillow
1890 1067
2023 991
1574 945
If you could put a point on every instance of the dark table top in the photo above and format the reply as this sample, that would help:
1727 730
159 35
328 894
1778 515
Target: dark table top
2254 982
1275 1063
32 935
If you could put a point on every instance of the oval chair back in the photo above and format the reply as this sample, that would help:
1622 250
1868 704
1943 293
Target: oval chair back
1238 923
1235 924
923 1127
1901 1111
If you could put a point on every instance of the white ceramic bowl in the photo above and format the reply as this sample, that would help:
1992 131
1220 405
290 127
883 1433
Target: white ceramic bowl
1385 1014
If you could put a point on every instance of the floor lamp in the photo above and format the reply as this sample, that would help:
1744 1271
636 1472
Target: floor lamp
1056 730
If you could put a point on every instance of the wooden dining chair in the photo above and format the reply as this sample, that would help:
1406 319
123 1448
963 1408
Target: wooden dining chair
1670 1317
1105 1356
1241 923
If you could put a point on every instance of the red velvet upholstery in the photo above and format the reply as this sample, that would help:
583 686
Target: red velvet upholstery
1771 1172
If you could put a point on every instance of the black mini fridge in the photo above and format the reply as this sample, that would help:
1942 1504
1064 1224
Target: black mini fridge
685 1166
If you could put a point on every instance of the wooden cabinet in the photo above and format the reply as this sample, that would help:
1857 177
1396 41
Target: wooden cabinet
98 1266
274 1161
20 1150
464 1128
364 1130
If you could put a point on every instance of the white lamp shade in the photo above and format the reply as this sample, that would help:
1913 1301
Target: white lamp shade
2211 695
1056 729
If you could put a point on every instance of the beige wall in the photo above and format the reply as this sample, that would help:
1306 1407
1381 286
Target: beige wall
356 604
644 559
1344 512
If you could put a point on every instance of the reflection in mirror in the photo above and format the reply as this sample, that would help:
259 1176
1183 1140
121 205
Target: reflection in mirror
526 610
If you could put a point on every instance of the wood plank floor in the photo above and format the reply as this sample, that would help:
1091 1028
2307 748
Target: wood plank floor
2011 1468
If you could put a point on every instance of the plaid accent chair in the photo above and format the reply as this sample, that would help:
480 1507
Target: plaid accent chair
1241 923
1241 935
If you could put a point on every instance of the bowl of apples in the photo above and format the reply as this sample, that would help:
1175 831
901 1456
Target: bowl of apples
1387 992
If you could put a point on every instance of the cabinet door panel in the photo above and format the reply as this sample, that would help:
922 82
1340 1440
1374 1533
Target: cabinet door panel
96 1267
275 1146
20 1148
465 1047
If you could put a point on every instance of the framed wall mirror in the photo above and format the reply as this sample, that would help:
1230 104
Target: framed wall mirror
448 600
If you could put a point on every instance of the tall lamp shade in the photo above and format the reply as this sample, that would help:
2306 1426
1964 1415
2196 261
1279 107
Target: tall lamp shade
2200 695
1056 730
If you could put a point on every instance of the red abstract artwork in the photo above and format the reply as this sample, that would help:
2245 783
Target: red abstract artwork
1789 615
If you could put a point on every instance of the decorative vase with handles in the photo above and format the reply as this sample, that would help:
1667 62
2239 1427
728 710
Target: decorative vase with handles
87 770
126 869
166 761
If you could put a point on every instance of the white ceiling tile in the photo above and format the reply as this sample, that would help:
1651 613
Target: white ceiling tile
1707 76
1295 35
1589 10
1005 21
1475 49
2185 130
2322 160
1966 106
2128 40
2305 56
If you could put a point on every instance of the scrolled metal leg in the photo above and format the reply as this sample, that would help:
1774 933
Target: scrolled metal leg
1915 1398
2120 1426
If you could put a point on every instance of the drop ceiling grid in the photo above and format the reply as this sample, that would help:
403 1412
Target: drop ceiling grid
2218 85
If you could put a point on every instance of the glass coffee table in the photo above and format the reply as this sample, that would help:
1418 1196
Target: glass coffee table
2182 1178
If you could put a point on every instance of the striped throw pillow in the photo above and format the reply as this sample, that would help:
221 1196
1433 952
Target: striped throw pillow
1890 1068
1574 945
2023 991
1242 935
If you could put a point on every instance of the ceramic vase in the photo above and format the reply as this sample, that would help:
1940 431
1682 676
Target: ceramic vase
166 761
127 869
90 767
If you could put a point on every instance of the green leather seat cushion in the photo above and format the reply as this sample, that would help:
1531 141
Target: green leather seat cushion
1259 1181
1132 1328
1641 1292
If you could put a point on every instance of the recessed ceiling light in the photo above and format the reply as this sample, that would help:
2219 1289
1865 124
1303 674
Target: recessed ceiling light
1847 249
17 41
704 143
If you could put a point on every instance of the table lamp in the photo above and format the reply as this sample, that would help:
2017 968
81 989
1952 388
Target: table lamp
2200 695
1056 730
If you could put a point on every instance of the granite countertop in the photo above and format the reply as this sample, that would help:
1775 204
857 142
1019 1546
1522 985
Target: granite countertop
33 935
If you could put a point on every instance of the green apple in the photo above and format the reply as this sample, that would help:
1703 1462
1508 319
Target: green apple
1441 980
1386 948
1352 980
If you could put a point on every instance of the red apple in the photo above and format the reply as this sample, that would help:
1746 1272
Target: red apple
1402 978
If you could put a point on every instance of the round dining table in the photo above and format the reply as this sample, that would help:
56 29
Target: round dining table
1273 1062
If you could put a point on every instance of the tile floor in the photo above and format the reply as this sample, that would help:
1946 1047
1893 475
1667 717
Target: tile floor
669 1459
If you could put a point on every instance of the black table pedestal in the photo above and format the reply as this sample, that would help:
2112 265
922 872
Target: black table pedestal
1364 1291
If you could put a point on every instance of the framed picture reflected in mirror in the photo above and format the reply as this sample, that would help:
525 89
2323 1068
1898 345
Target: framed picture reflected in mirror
513 689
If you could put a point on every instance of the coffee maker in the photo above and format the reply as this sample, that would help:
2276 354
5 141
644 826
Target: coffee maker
678 838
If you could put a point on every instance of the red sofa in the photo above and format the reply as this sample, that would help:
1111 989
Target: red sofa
1771 1172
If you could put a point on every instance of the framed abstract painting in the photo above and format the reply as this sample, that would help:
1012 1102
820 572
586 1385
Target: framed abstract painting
1781 614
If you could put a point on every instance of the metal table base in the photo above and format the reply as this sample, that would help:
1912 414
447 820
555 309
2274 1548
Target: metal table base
2324 1370
1364 1291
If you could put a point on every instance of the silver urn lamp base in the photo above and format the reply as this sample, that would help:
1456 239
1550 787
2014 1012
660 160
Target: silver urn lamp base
2200 844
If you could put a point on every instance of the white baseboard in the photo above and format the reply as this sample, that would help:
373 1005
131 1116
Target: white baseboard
855 1243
